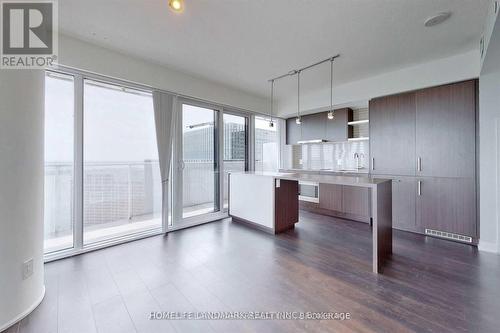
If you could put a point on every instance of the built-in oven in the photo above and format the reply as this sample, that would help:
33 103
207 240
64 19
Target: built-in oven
308 191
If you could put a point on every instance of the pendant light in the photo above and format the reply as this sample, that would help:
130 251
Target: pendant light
271 122
330 113
298 120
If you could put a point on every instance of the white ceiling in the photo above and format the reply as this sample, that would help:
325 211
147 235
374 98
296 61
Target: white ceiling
242 43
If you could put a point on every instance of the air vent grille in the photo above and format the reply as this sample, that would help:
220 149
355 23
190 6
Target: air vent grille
448 235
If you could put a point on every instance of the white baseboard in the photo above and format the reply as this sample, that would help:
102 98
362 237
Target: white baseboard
23 314
488 247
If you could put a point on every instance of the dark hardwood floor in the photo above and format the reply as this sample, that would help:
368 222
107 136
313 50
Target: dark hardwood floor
324 264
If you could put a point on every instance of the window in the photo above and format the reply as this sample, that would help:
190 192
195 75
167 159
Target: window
235 147
122 183
266 145
59 166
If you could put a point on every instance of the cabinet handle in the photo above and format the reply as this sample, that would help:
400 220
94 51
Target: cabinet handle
373 163
419 188
419 164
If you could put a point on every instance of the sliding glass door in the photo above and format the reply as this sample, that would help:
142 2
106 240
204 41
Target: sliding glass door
198 177
122 183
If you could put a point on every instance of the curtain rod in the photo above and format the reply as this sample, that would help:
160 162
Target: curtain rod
297 71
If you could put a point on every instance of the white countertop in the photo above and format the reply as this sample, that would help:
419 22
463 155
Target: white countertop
348 180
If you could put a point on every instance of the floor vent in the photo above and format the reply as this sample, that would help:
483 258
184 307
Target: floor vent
448 235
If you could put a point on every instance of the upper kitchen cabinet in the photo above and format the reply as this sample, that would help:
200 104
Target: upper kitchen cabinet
293 132
445 130
392 135
337 129
317 126
313 126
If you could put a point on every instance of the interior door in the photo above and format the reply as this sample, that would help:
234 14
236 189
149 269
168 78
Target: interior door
196 164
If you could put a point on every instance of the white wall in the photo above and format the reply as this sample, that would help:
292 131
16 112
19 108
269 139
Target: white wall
85 56
358 93
21 192
489 144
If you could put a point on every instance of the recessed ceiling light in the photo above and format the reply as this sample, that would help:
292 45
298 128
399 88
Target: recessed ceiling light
176 5
437 19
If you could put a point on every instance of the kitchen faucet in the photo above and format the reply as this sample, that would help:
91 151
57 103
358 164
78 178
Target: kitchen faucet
356 157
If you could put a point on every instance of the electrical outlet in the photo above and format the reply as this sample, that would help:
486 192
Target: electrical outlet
27 268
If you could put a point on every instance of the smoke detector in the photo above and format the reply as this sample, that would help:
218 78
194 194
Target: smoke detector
437 19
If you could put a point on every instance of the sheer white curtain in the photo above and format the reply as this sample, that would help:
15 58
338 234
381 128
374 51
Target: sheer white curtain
165 115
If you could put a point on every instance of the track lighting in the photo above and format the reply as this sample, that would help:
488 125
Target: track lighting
271 122
297 120
330 113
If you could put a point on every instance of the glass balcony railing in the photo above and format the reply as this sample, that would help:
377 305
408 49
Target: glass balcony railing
119 198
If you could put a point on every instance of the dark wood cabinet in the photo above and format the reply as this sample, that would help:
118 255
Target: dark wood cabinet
317 126
404 192
392 135
293 132
426 142
330 197
447 204
337 129
356 201
313 126
286 205
349 202
445 130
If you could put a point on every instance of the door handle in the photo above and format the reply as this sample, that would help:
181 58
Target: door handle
419 164
373 163
419 188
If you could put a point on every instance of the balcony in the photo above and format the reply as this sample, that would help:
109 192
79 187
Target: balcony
121 198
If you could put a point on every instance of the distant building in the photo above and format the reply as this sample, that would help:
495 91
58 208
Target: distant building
199 142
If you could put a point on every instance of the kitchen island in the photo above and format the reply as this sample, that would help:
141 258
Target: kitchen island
269 202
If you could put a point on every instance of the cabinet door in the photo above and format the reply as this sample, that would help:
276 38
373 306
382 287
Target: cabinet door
392 135
356 201
404 191
337 128
330 197
292 132
445 130
313 126
447 204
286 205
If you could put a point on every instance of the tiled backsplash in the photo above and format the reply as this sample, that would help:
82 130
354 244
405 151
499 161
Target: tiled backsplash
328 155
